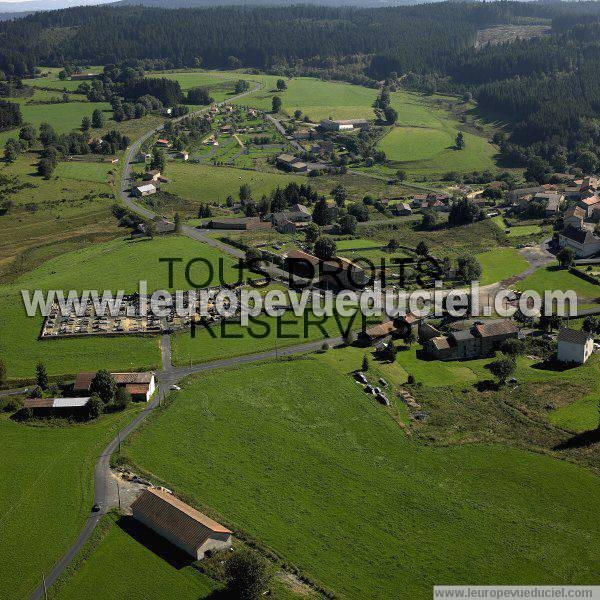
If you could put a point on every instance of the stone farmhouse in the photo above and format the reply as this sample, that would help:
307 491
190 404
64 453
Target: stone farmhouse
480 340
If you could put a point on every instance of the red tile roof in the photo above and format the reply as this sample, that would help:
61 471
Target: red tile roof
170 514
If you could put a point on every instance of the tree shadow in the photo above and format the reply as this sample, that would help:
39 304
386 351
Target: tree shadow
487 385
580 440
164 549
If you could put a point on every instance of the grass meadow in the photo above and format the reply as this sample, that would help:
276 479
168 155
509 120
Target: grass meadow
553 278
322 475
499 264
423 140
143 569
46 493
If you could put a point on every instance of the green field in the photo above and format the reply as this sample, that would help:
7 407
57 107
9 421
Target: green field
63 117
46 493
237 340
205 183
500 264
552 278
131 577
325 477
315 98
119 264
423 140
518 230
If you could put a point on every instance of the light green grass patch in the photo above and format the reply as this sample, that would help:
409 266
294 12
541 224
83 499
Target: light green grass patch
552 278
500 264
115 265
122 567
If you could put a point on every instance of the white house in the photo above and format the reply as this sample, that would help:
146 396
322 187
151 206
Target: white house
144 190
583 242
574 346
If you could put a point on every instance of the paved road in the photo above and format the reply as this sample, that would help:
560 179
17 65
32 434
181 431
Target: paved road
134 148
168 376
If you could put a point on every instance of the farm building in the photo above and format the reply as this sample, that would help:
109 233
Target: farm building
151 175
403 209
84 76
56 406
241 223
179 523
343 125
184 154
290 221
338 272
480 340
144 190
574 346
141 386
377 332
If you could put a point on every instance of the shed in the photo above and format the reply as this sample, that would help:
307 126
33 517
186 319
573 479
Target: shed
179 523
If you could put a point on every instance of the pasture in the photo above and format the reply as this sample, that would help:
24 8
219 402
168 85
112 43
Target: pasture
420 514
46 493
316 98
552 278
143 569
50 217
63 117
499 264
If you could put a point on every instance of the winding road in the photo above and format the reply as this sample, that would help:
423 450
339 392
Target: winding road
167 377
170 375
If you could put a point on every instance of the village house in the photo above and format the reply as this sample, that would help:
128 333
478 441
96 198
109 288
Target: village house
179 523
574 346
552 200
337 273
286 160
292 220
162 143
184 154
141 386
403 209
480 340
590 205
375 333
152 175
143 190
583 242
304 134
574 217
142 157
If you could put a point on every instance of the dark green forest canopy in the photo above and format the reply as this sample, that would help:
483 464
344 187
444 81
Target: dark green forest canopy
547 88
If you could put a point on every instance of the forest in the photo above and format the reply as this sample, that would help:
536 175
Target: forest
546 88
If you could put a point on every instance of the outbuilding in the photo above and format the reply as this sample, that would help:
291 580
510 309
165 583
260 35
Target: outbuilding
179 523
574 346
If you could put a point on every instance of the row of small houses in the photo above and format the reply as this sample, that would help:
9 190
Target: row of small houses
479 340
